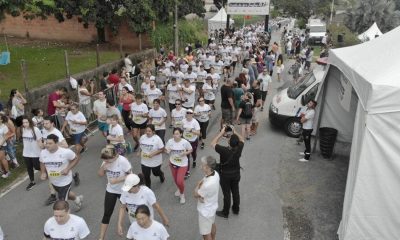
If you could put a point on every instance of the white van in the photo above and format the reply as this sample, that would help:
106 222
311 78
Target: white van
288 103
317 29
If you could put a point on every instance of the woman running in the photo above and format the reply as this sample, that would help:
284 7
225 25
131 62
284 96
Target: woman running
202 113
140 113
116 135
77 126
191 132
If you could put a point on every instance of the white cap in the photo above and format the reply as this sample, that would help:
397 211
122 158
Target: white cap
152 78
130 181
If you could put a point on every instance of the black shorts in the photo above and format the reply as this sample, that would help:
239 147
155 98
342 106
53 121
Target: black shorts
227 115
208 70
263 95
62 192
233 64
209 101
17 121
139 126
245 120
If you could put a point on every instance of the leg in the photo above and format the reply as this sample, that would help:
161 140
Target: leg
157 172
146 173
226 191
29 168
213 231
109 203
4 161
194 152
180 179
307 143
235 194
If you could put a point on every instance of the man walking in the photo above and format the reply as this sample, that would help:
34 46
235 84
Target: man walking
206 193
307 119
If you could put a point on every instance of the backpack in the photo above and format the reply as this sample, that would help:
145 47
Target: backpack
247 111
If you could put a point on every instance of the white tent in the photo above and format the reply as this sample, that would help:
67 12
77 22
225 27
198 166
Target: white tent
219 21
372 197
371 33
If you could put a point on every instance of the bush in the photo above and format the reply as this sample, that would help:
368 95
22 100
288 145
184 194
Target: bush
301 23
189 32
350 38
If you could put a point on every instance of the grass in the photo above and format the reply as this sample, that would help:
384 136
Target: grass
45 63
16 172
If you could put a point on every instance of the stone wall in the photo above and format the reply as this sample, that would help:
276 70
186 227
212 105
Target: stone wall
71 30
38 97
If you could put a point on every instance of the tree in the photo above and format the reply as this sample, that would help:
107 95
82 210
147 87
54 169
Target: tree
304 9
162 8
367 12
220 3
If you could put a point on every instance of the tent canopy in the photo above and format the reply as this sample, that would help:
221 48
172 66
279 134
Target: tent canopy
371 33
219 21
371 203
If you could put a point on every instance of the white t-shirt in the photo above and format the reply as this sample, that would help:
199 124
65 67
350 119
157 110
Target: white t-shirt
100 107
184 67
203 111
31 146
54 131
209 191
128 64
156 231
137 111
192 76
152 94
209 91
218 66
309 115
176 149
178 116
3 132
173 93
201 75
145 196
74 127
149 145
265 80
55 163
157 116
115 131
144 87
192 125
189 96
216 77
74 229
178 75
120 167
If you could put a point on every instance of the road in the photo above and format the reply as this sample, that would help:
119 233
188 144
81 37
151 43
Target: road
23 213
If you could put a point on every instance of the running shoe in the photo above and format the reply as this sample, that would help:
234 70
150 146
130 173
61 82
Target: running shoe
187 175
303 160
182 199
30 186
52 199
76 178
6 175
78 202
177 193
194 164
162 177
202 145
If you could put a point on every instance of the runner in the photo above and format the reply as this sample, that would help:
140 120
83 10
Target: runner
188 94
152 93
32 142
178 150
145 228
202 113
158 116
64 225
100 110
56 164
139 117
191 133
151 148
116 135
125 101
209 92
115 167
178 114
135 194
174 93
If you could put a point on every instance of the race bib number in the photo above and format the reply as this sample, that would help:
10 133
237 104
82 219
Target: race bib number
137 118
54 174
155 122
177 159
145 155
188 135
178 124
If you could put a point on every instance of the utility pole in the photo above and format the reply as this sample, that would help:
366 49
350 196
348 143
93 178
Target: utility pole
330 20
176 37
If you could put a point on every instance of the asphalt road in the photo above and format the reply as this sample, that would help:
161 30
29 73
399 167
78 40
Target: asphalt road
23 214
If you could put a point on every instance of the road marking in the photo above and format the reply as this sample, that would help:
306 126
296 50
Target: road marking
13 186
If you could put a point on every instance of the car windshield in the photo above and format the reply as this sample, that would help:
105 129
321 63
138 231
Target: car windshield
317 29
295 90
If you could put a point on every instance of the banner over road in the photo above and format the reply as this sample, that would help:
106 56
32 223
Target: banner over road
248 7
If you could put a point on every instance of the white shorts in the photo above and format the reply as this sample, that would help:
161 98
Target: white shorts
205 224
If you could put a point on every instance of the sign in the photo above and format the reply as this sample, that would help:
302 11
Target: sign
345 90
248 7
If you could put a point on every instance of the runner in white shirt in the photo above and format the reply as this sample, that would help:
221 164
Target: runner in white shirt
206 193
178 114
190 75
151 148
174 93
209 92
116 135
32 142
207 62
56 164
135 194
218 65
178 75
188 94
139 112
202 113
191 132
152 93
115 167
145 228
202 74
178 150
215 77
64 225
145 85
158 116
77 126
100 109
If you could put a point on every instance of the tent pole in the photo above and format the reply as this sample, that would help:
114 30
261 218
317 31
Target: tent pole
321 111
5 39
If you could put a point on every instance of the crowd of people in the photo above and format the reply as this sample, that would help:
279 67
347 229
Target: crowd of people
178 96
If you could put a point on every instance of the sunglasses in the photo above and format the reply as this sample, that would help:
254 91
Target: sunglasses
201 100
178 104
189 113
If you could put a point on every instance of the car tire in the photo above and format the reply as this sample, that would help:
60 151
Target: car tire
293 127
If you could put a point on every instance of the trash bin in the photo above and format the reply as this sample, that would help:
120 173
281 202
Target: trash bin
327 139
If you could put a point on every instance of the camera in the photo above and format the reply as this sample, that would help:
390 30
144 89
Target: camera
228 128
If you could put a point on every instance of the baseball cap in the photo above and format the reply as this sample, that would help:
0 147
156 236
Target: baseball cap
152 78
130 181
189 111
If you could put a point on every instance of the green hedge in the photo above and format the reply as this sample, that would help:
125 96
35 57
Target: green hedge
189 32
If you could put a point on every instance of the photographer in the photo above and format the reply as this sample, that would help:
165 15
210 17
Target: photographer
229 168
